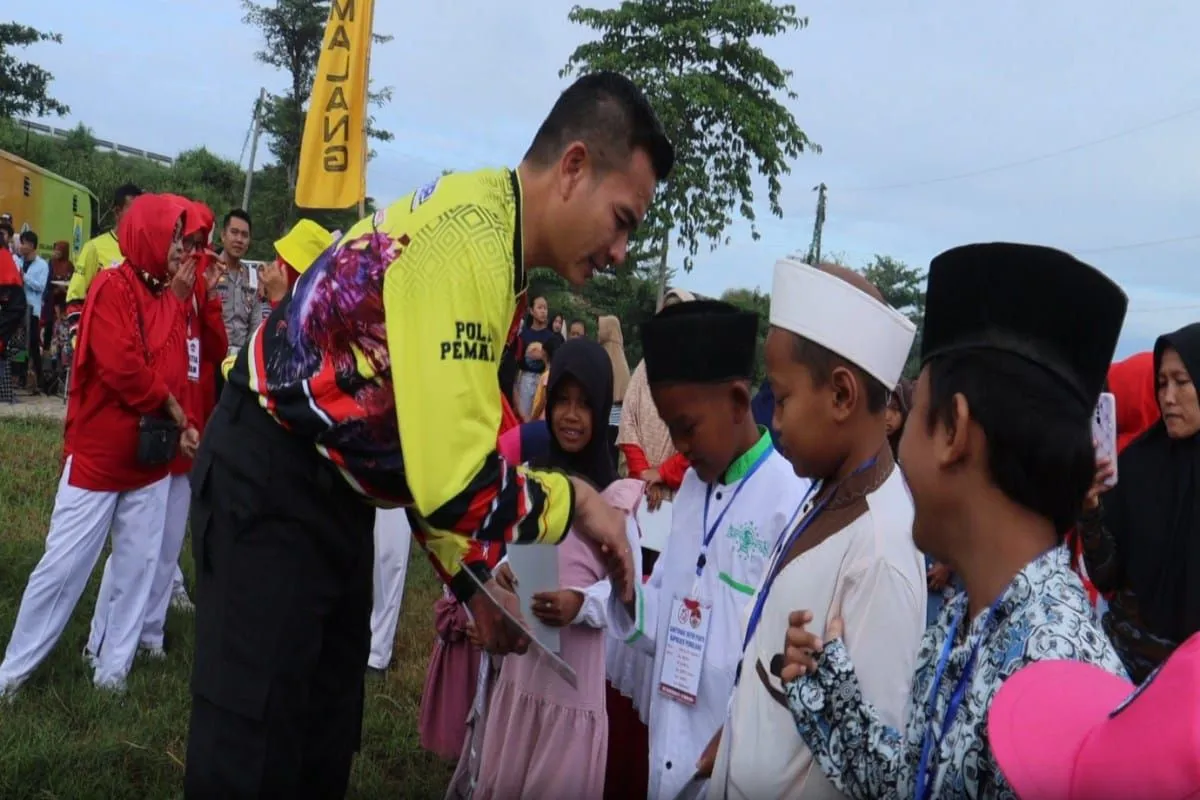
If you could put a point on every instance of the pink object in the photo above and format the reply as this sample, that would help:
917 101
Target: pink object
509 445
449 683
1063 730
544 739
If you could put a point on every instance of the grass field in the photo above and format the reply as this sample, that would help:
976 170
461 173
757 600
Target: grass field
63 739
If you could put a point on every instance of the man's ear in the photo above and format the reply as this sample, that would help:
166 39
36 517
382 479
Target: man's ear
847 391
739 393
573 165
952 438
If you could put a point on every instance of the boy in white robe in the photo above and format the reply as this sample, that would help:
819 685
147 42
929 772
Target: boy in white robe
834 350
735 501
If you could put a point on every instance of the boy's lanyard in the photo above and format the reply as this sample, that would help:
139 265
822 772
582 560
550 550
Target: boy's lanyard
702 559
782 548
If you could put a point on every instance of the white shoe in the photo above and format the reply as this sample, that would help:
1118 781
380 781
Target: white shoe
89 657
182 603
8 692
152 653
116 687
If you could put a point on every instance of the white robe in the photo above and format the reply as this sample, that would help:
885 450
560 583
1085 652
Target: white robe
736 560
871 575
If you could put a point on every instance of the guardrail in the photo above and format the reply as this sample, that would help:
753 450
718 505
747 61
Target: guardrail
101 144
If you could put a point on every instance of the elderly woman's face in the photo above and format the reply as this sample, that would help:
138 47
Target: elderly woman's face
1177 396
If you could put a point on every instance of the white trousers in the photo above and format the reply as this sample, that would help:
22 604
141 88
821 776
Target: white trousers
392 539
179 496
81 521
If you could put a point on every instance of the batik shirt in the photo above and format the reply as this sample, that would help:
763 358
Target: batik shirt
385 355
1043 616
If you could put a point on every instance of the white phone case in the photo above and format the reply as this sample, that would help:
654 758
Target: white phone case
1104 431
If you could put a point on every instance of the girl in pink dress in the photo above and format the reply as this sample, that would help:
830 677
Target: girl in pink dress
542 739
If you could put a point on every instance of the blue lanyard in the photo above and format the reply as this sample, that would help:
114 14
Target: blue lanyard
781 549
924 788
702 559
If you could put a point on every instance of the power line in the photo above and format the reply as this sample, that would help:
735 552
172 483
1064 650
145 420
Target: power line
1032 160
1136 245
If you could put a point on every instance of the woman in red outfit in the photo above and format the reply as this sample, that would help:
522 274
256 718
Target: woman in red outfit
192 281
131 363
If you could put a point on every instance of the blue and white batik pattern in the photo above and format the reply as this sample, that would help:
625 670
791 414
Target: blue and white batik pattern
1044 615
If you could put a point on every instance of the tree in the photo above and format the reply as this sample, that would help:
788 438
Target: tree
719 98
293 31
25 87
903 287
760 304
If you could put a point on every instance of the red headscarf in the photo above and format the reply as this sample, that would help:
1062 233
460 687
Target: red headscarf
1132 382
145 234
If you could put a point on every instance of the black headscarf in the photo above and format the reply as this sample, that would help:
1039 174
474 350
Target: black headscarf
1154 510
586 362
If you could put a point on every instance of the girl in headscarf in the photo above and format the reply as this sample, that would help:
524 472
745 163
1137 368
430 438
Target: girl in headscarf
1141 539
61 270
542 738
613 342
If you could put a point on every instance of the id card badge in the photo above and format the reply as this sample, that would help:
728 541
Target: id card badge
683 657
193 347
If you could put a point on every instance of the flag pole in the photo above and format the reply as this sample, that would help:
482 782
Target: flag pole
362 193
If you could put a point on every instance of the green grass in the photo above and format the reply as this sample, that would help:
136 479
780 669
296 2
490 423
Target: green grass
63 739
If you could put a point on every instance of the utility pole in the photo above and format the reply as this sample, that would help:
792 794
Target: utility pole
814 249
257 129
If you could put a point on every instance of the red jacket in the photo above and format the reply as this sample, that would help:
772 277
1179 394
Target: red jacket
114 385
207 341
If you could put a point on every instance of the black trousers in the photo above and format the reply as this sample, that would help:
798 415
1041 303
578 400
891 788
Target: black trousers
33 364
284 561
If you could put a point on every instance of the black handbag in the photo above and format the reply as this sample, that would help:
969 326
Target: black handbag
158 436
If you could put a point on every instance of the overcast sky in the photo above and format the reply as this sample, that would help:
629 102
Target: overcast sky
900 93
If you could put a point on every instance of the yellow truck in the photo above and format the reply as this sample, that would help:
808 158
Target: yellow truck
53 207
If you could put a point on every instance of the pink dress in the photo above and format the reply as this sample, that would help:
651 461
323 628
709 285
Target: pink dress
544 740
449 683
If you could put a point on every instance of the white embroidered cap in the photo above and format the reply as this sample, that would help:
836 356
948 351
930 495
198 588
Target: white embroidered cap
827 310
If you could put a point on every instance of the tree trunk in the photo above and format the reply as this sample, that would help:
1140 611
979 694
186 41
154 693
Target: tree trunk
662 273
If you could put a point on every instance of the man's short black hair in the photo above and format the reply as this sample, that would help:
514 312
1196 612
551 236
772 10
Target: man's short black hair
30 238
124 193
6 229
821 362
575 322
607 112
237 213
1039 445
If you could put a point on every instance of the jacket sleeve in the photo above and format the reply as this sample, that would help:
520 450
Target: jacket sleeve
635 460
117 351
673 469
214 342
87 264
447 312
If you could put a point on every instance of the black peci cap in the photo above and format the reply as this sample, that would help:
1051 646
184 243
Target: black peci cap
705 341
1036 302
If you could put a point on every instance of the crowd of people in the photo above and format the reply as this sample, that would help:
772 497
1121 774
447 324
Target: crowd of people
871 587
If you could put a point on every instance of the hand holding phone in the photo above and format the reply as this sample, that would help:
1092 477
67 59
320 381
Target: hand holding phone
1104 433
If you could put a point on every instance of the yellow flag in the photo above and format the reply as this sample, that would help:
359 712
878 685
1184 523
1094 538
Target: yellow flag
333 163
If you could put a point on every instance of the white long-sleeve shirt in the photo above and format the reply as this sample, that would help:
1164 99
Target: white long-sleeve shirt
736 560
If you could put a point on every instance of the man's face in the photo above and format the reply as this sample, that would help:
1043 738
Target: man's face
595 211
576 331
236 237
26 249
927 484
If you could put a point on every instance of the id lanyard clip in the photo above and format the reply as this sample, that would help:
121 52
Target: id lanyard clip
709 533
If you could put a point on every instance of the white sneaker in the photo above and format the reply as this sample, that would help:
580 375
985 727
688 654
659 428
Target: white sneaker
8 692
89 657
181 602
